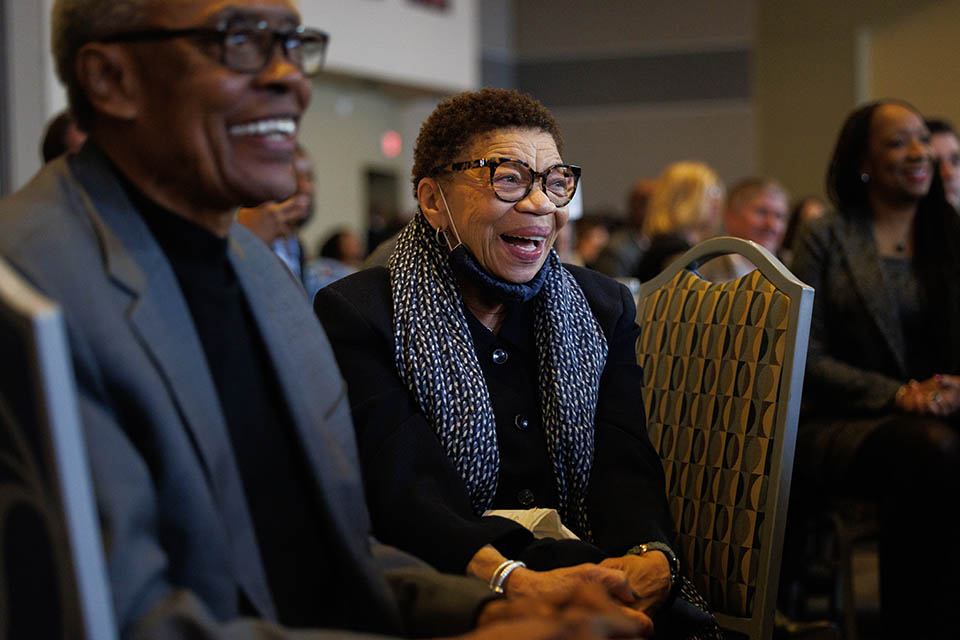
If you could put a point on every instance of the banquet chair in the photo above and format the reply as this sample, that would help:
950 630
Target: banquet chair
52 574
723 367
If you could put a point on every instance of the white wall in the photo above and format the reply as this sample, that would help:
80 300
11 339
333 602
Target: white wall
916 59
400 41
34 93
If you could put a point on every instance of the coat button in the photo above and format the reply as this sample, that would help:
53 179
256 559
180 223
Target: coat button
499 356
525 497
521 422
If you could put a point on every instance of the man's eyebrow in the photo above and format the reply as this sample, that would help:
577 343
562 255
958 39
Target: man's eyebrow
240 16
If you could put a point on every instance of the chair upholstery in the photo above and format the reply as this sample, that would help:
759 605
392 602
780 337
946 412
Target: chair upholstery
723 368
52 575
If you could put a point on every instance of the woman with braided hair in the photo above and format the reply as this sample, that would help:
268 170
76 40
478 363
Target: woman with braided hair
485 375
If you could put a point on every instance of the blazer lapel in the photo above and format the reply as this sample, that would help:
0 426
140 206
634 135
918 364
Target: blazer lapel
307 374
315 395
161 318
864 263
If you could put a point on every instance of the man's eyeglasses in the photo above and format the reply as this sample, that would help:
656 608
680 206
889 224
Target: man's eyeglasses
512 179
246 48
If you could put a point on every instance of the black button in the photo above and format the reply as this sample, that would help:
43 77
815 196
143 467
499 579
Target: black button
499 356
521 422
525 496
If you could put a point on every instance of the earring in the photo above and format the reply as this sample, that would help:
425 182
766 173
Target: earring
442 238
864 177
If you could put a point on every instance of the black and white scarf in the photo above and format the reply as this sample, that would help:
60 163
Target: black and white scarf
435 356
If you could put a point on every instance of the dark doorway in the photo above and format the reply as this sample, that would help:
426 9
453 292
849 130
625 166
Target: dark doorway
383 212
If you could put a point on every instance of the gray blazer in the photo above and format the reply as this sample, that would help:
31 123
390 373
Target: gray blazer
857 357
178 535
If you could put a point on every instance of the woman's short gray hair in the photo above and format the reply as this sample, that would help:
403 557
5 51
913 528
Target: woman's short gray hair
77 22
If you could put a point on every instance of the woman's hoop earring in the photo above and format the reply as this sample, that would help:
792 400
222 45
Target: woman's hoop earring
442 238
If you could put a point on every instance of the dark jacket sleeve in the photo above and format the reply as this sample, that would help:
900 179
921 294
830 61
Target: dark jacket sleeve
417 499
627 502
831 381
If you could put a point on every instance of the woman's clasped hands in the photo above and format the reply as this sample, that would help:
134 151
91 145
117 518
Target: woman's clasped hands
938 395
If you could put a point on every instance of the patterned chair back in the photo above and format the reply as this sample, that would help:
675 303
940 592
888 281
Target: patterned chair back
723 370
53 580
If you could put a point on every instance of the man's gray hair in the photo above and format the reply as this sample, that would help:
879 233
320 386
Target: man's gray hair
77 22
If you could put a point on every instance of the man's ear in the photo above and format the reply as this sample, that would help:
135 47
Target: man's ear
431 203
110 79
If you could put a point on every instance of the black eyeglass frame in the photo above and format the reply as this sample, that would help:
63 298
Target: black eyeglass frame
283 38
535 176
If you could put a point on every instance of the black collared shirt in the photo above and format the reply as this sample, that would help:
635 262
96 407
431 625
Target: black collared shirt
509 363
276 479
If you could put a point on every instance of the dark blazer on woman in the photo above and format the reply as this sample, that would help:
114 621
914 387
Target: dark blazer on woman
857 357
418 500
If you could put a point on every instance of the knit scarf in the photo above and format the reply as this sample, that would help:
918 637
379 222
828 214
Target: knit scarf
435 357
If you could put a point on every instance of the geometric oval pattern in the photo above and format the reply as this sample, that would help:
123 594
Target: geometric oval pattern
712 356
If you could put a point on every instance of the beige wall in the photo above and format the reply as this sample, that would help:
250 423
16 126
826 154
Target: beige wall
918 58
813 67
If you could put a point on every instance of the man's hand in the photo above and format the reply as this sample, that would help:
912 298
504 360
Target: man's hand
557 584
648 575
585 612
272 220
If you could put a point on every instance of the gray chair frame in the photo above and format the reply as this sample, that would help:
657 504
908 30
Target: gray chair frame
53 482
760 625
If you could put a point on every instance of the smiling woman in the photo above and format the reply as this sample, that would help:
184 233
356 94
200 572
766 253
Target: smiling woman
885 316
485 375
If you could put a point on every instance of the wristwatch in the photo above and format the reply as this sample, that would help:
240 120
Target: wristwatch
663 548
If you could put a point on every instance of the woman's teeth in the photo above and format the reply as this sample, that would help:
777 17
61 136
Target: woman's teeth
530 244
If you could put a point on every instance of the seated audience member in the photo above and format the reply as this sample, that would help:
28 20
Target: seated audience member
620 257
61 136
947 147
485 375
684 210
340 255
804 209
756 210
881 393
219 436
591 236
277 223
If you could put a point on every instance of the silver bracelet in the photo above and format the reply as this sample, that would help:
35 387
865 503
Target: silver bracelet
501 574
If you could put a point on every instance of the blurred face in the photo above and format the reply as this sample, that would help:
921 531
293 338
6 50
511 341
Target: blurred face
899 155
761 218
947 148
511 240
303 196
224 138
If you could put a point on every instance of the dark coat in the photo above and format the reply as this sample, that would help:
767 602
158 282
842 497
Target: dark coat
417 498
857 355
179 540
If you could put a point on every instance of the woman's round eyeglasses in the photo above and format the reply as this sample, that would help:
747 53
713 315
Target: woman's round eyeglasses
512 179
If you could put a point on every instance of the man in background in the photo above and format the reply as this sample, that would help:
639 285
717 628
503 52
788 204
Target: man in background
757 209
61 136
947 147
278 223
619 258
